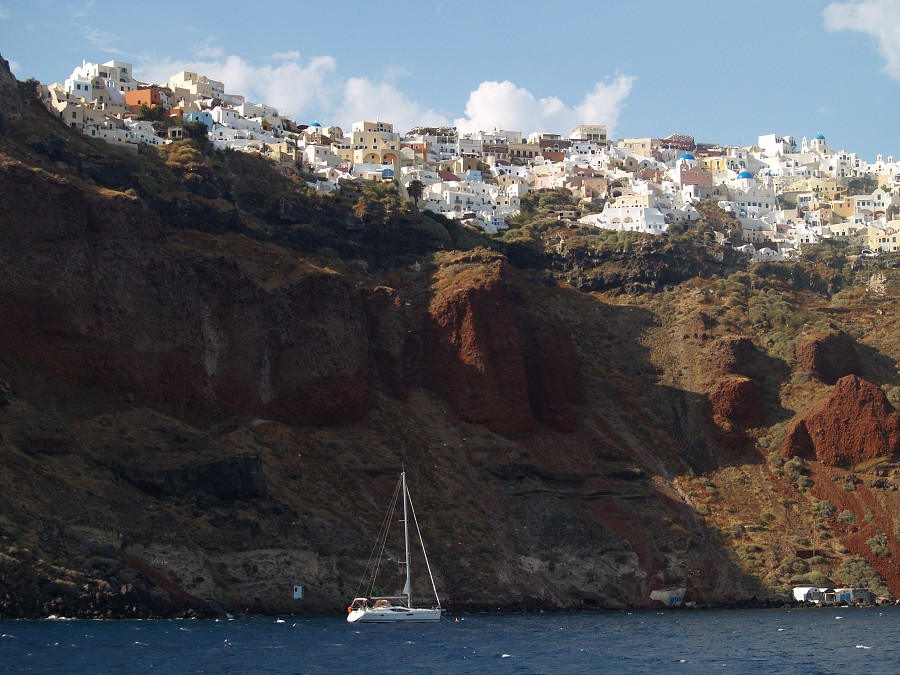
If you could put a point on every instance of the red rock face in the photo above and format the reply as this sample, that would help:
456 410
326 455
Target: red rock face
99 294
475 356
732 369
96 294
827 357
737 402
555 388
495 361
732 356
857 423
387 327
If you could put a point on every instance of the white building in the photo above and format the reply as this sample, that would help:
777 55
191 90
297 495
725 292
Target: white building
190 87
103 83
636 210
775 145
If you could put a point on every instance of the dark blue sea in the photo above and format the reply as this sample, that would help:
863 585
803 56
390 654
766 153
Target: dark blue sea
824 640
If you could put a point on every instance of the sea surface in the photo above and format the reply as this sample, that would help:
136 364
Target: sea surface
820 640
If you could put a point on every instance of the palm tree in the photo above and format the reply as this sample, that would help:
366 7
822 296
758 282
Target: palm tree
415 190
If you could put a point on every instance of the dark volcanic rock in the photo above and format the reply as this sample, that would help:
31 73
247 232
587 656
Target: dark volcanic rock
555 388
646 266
733 356
827 357
47 444
232 478
11 107
192 332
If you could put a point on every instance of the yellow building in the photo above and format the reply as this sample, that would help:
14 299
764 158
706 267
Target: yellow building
843 207
370 143
633 200
717 164
827 189
639 146
523 150
594 133
884 239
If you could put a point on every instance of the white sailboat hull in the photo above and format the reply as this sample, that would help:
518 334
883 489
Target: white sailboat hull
394 614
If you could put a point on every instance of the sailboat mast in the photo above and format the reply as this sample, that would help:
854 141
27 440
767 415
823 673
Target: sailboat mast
407 587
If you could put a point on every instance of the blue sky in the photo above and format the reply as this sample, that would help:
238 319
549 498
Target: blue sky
720 70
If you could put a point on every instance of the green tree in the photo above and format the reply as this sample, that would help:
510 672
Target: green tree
862 185
415 190
154 114
196 130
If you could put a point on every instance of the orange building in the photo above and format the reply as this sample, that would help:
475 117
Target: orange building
149 97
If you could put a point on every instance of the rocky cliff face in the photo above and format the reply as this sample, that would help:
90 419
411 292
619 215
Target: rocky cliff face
209 379
855 425
828 357
494 359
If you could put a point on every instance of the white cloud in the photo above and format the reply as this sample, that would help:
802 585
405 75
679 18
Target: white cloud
208 50
312 88
286 56
304 90
604 104
290 85
503 105
367 100
103 41
84 11
879 19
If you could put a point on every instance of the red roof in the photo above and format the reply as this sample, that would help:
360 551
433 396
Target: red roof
446 175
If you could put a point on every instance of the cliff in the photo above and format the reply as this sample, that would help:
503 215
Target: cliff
211 377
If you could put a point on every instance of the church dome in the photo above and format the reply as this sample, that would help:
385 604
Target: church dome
744 174
818 137
688 156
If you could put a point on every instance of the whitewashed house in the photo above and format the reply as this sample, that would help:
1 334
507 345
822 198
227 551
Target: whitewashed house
262 114
229 117
142 132
491 220
68 107
103 82
319 156
631 212
775 145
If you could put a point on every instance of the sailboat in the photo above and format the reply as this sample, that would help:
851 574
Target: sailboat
389 608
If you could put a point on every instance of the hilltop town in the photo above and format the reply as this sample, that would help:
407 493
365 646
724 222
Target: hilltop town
785 194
